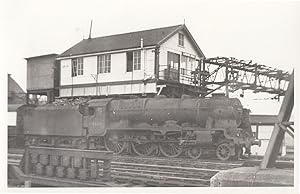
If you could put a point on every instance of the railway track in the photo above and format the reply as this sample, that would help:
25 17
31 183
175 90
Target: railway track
138 174
160 175
157 171
181 162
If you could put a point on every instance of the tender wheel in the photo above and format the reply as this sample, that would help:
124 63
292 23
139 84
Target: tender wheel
142 145
223 151
170 148
113 142
194 152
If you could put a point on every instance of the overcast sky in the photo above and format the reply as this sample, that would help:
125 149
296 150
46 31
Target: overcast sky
266 32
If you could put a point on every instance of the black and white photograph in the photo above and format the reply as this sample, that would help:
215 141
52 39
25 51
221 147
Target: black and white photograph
149 96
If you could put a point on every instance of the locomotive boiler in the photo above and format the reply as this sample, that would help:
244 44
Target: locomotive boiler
145 126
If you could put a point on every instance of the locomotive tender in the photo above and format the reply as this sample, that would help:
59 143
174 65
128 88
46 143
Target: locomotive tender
145 126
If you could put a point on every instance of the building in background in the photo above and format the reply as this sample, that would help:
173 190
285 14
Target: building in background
16 94
161 60
262 126
42 78
16 98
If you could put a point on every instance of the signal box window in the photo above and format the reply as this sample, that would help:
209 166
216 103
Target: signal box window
173 60
181 39
133 61
77 67
184 64
104 63
172 72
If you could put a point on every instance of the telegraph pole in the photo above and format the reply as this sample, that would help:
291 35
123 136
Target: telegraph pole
95 76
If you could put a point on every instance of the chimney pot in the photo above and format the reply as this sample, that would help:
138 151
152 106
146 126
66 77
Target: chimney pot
142 43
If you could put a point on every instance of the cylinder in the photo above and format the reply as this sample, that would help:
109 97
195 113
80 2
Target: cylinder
54 160
77 162
83 173
60 171
44 159
34 158
71 173
49 171
66 161
39 169
94 169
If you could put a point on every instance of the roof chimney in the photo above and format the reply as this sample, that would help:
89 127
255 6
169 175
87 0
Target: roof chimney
90 35
142 43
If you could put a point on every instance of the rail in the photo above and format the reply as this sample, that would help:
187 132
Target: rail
158 171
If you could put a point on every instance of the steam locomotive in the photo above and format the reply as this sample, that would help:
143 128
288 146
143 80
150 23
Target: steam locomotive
144 126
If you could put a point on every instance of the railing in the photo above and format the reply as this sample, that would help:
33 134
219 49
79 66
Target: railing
67 163
184 76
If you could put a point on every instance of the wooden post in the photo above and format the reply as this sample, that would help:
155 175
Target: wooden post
106 169
27 161
27 98
84 163
49 97
156 62
256 132
278 133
